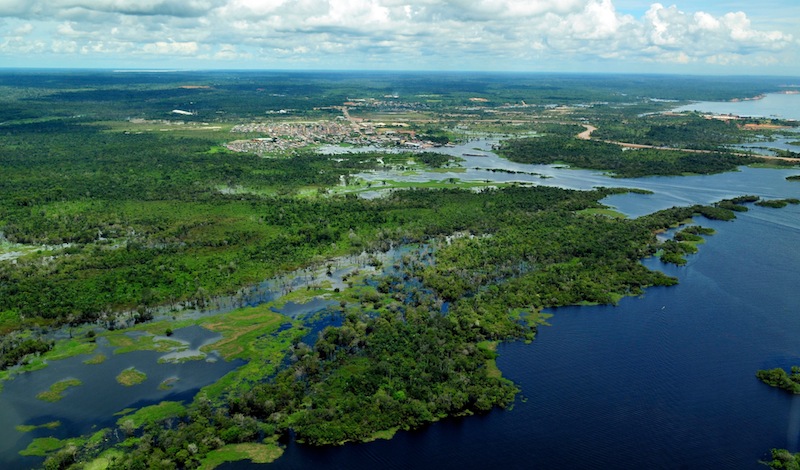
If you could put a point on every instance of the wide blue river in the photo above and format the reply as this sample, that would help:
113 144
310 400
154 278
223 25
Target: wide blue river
666 380
780 105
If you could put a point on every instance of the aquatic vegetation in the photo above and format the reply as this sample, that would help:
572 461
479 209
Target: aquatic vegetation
56 391
96 359
167 384
256 453
131 377
32 427
154 414
124 343
41 446
251 334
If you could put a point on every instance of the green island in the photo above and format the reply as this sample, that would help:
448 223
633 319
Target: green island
118 216
33 427
777 203
96 359
56 391
131 377
782 459
779 378
789 382
621 162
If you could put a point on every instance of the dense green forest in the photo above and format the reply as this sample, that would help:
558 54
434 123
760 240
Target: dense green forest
687 131
627 163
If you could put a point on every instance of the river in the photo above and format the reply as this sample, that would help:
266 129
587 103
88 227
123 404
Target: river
665 380
771 105
662 381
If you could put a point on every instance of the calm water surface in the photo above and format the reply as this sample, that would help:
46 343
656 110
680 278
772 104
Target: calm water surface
92 405
780 105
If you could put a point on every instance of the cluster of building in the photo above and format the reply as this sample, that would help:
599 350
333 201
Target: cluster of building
280 137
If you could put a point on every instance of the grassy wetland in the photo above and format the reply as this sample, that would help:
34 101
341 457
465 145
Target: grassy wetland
122 223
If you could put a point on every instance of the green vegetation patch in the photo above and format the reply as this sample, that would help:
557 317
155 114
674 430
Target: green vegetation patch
782 459
56 391
125 343
70 348
250 334
154 414
104 460
96 359
130 377
240 330
489 348
777 203
780 379
674 251
603 211
168 383
627 163
385 434
32 427
301 296
42 446
257 453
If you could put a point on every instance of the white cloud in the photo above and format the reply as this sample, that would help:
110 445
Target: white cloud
23 30
435 33
171 48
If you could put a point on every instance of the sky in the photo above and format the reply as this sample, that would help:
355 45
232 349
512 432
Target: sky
689 37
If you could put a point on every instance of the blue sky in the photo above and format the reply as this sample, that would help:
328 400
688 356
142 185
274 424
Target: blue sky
693 37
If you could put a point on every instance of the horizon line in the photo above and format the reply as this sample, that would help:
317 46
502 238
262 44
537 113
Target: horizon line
379 71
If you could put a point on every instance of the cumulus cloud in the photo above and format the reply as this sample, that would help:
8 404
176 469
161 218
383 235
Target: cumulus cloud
171 48
432 33
701 36
24 29
61 8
